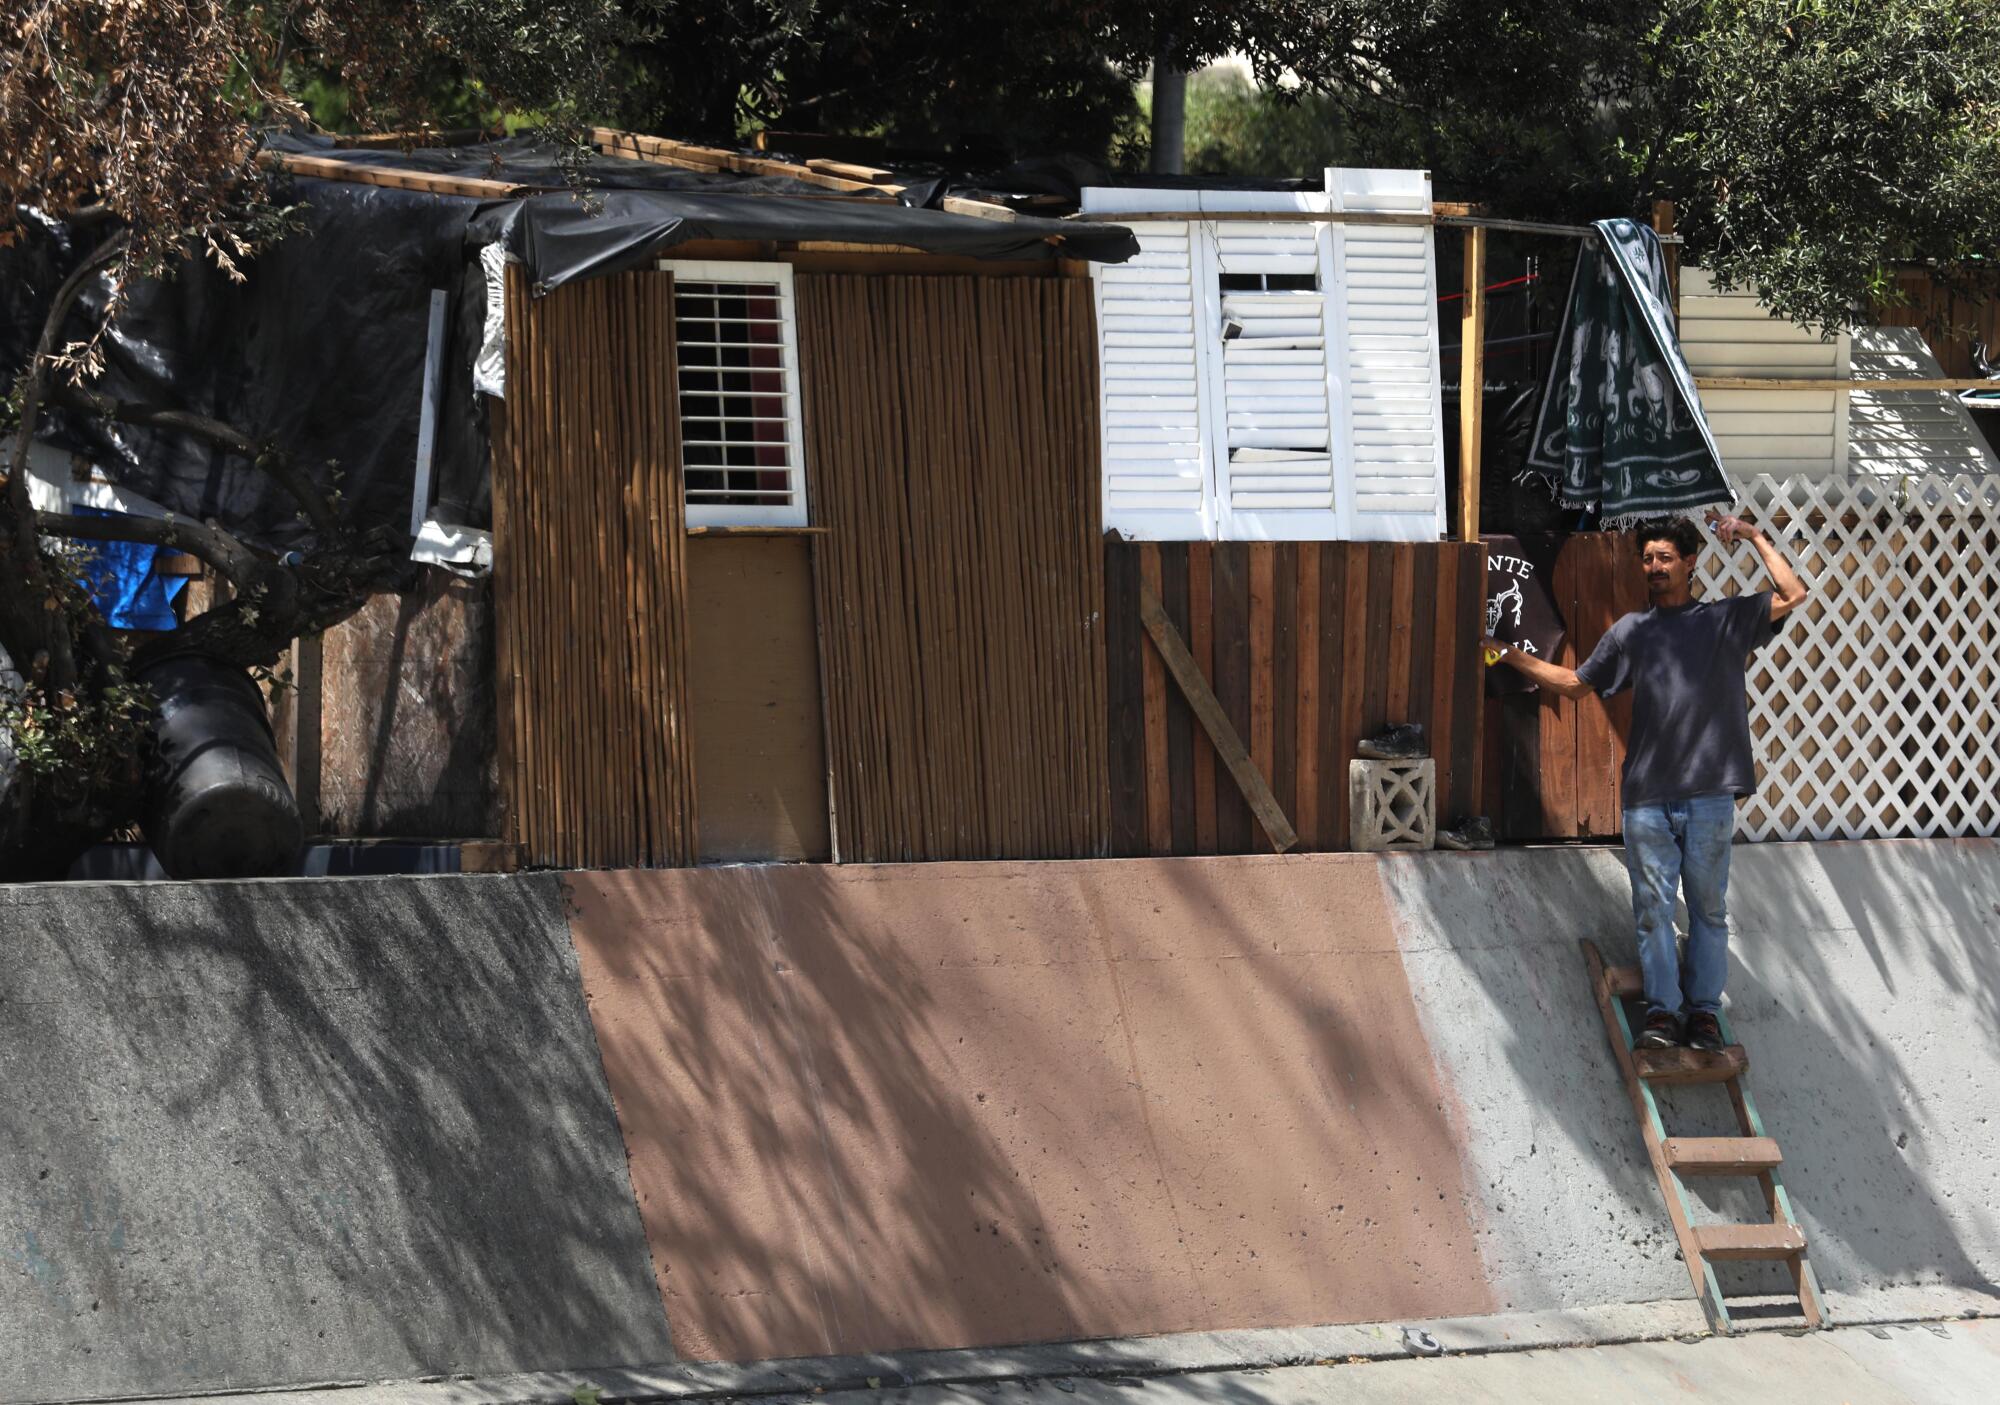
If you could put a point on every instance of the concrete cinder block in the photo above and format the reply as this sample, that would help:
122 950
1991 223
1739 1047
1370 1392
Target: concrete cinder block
1391 805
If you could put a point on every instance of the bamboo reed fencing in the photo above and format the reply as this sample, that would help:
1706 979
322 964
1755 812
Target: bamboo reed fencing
951 424
590 578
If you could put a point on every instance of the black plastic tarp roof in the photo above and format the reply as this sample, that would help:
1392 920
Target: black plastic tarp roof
321 349
613 213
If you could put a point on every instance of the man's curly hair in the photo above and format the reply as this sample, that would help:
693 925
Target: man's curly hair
1681 531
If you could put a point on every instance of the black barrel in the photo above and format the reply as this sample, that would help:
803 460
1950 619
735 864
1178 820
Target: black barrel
217 805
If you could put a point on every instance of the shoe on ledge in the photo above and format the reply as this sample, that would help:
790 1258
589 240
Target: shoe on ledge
1662 1031
1472 832
1704 1032
1402 741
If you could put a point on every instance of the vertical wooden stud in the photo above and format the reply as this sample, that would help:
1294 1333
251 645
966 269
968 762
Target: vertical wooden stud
1471 382
1663 225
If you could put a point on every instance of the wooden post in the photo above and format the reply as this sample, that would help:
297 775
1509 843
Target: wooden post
1663 225
307 653
1471 382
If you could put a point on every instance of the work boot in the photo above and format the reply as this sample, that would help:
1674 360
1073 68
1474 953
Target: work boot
1401 741
1705 1032
1472 832
1662 1031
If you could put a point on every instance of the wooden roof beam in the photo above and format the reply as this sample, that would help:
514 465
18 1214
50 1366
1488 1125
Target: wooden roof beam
360 173
874 175
978 209
420 136
689 156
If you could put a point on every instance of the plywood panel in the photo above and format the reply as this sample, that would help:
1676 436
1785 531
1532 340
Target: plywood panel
408 745
753 664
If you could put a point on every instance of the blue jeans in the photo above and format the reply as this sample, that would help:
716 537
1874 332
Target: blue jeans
1668 845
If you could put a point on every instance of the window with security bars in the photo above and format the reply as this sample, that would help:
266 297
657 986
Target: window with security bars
736 341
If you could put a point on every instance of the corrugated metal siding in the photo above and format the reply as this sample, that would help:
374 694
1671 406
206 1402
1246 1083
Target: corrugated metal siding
1765 431
1909 431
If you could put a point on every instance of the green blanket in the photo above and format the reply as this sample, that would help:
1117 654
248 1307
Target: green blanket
1620 427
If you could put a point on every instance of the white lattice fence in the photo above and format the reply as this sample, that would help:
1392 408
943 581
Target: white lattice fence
1877 709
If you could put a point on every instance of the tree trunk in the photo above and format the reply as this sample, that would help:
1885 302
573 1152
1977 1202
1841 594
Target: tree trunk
1169 118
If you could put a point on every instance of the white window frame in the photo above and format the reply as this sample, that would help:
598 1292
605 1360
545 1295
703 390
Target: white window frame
796 512
1219 520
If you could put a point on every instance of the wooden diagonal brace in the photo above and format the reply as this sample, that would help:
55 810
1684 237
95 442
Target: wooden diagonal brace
1256 790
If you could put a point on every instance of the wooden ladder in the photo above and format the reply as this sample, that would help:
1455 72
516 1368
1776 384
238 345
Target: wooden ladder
1676 1158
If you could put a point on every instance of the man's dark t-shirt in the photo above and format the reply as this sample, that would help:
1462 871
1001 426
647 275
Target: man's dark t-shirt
1690 716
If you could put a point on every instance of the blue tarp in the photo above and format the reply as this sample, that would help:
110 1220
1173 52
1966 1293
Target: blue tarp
124 579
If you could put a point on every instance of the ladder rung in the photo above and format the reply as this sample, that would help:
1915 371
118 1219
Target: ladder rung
1722 1156
1750 1241
1680 1065
1625 981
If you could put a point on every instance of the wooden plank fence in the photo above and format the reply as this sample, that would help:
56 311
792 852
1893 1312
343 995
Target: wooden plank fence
590 578
1951 323
952 429
1309 646
1552 765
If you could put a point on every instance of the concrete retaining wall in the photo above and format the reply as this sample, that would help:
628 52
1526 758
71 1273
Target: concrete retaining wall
256 1134
1865 983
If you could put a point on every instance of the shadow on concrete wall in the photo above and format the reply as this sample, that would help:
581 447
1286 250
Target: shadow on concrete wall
292 1131
1866 980
977 1104
1863 984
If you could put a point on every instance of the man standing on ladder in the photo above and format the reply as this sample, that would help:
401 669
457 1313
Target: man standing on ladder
1687 760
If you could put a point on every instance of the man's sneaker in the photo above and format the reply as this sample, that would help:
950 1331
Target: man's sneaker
1402 742
1473 832
1662 1031
1705 1032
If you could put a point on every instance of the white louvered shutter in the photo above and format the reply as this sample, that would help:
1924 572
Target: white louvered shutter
1158 481
1386 359
1274 433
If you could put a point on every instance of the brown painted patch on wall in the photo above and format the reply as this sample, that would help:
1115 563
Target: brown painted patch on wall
408 732
958 1104
753 684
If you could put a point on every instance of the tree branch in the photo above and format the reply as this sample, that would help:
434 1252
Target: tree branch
210 543
266 459
34 634
89 402
37 387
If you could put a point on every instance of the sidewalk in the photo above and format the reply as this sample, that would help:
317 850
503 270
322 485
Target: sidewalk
1642 1352
1925 1364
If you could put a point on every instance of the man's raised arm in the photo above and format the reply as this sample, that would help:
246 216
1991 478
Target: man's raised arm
1788 592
